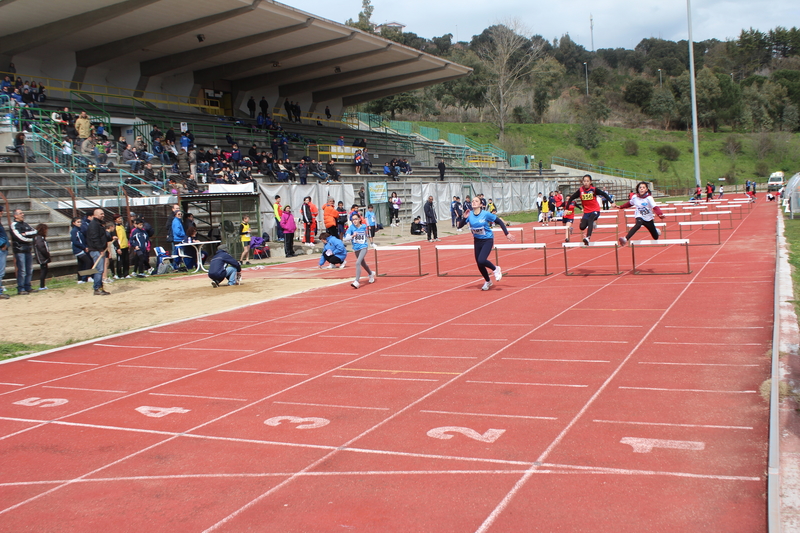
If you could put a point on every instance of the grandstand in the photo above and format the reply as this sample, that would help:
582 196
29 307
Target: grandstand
134 64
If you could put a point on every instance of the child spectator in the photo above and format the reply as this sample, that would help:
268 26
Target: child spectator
244 234
140 244
372 224
79 249
416 227
42 251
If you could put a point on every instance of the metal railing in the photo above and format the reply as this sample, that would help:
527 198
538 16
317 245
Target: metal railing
580 165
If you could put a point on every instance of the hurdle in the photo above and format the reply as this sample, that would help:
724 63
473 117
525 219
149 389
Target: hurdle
716 223
614 227
521 246
548 228
735 209
730 216
661 242
392 248
599 244
520 230
678 214
687 208
662 225
452 247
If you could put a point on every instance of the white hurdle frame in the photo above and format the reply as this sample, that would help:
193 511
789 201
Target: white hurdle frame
660 242
521 246
388 248
717 223
598 244
548 228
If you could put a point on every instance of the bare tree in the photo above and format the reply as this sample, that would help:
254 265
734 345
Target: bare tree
507 54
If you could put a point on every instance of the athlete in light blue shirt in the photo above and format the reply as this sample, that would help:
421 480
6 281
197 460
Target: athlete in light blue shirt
479 223
358 234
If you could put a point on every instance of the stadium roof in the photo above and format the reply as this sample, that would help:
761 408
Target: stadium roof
241 46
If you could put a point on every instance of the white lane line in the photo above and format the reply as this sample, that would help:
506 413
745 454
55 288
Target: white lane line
261 334
581 340
458 339
60 362
691 364
230 321
707 343
77 388
533 384
428 356
200 397
313 353
555 360
392 379
337 406
262 372
598 325
123 346
13 384
157 367
709 426
691 390
182 333
217 349
717 327
490 415
345 336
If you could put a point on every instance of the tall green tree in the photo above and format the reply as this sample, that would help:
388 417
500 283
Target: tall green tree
364 22
662 105
397 103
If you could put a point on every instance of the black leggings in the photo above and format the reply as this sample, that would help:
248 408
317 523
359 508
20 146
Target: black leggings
483 247
42 275
649 224
587 222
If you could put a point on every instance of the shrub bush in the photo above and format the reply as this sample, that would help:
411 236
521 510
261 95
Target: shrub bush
668 152
631 147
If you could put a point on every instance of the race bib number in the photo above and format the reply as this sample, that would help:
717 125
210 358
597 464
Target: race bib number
643 210
478 231
587 196
359 238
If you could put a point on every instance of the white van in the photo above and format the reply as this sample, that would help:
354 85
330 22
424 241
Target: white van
775 181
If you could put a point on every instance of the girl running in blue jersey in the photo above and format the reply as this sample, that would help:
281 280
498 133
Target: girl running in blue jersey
479 221
359 235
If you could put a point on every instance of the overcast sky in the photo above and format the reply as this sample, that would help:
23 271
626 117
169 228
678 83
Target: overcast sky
617 23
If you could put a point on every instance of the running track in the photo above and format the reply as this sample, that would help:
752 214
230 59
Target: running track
608 403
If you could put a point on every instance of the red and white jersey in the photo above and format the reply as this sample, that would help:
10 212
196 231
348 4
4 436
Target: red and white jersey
588 198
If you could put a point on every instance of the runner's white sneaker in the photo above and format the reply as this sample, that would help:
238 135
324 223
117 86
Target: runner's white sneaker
622 241
586 241
355 284
498 274
486 286
372 278
658 232
343 264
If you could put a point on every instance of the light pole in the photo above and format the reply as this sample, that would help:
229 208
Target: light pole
660 85
586 68
693 90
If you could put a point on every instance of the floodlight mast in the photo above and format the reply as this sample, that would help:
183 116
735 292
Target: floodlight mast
695 143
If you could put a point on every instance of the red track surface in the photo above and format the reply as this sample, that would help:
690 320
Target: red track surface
614 403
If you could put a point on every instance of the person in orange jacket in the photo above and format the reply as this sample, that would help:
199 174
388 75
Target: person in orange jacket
330 216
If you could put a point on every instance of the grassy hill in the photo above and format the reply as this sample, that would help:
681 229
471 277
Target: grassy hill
757 155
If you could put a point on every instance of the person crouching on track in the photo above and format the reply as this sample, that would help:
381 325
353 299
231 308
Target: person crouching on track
333 252
588 194
479 220
358 234
645 208
224 266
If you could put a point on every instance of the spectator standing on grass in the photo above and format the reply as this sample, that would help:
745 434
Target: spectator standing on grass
3 254
244 235
308 215
140 245
123 252
277 211
430 220
330 216
372 223
341 218
223 266
22 236
97 242
42 251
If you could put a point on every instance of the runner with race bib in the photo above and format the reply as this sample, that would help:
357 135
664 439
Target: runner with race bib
645 208
358 234
588 194
479 221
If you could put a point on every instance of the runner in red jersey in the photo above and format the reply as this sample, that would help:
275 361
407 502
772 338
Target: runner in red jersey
588 194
